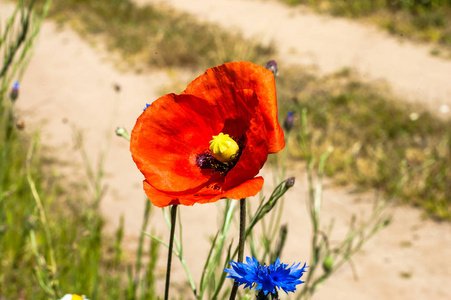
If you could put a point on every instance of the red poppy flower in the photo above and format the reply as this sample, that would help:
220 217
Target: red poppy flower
173 146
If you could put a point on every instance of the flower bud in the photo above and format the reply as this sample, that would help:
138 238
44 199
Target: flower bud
290 182
14 92
328 264
120 131
272 66
289 122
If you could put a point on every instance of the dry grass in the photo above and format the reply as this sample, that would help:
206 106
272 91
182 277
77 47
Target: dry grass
156 35
378 142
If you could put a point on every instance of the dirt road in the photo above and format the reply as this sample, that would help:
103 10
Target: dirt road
69 84
330 44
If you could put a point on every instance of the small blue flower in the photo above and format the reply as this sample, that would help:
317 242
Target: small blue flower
267 279
147 105
14 92
272 66
289 122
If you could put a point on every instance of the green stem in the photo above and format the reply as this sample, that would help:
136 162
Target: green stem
171 244
241 242
141 243
42 215
20 40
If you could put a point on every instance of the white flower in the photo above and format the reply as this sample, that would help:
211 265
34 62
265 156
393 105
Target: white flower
414 116
444 109
73 297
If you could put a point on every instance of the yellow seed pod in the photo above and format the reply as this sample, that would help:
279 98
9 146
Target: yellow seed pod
223 148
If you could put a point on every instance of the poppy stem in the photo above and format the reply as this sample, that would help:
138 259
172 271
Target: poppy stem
171 244
241 242
242 229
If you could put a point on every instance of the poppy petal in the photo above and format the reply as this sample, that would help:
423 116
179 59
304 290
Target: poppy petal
238 76
167 138
246 189
170 141
255 151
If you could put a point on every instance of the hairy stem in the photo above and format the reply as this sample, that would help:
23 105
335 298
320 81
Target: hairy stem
241 242
171 244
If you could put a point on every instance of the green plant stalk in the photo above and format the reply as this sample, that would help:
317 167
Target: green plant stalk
179 247
223 276
277 216
320 247
171 244
315 199
160 242
254 252
263 221
130 289
241 241
242 229
140 245
207 262
273 227
319 182
218 249
187 272
177 252
348 248
119 238
8 27
149 293
315 227
38 269
42 216
281 243
263 209
20 40
24 42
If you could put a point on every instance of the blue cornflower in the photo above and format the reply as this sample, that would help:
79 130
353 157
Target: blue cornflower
267 279
147 105
14 92
289 122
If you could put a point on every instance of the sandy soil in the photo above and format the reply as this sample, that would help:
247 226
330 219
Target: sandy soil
330 44
68 83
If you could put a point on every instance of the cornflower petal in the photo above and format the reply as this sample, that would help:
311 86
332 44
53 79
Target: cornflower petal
267 279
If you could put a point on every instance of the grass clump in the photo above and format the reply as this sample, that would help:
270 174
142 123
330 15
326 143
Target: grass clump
378 142
51 240
425 20
156 35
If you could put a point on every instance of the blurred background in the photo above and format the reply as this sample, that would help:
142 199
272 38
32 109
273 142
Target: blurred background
373 78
